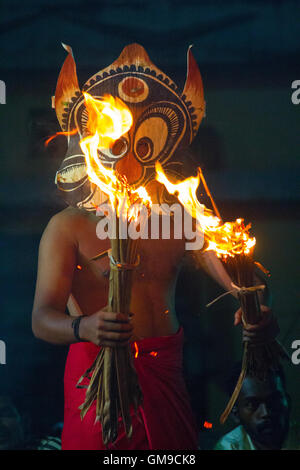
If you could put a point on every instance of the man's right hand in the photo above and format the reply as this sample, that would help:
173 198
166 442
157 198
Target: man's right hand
106 329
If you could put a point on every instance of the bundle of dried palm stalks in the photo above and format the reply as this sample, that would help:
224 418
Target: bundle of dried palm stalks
266 352
113 380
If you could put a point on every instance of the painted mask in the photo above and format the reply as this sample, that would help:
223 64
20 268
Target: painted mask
165 122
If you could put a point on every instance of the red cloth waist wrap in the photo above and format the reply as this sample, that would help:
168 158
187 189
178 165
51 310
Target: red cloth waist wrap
164 421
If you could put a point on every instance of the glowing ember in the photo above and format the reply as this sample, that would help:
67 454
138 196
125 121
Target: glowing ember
153 353
229 239
207 425
108 119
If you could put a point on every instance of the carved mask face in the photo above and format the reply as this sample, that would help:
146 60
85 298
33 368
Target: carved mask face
165 122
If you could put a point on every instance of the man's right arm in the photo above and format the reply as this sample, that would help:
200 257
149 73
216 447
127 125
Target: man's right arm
57 258
57 261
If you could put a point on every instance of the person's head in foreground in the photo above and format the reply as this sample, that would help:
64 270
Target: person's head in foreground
262 412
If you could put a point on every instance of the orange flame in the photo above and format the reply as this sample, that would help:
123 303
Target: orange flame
186 193
136 350
72 132
231 239
108 119
228 239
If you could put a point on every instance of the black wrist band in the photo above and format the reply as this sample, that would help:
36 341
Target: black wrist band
75 326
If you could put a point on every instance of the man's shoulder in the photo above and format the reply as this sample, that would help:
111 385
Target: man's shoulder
66 227
237 439
69 216
68 221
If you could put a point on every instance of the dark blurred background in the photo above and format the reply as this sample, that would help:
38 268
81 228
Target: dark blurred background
248 147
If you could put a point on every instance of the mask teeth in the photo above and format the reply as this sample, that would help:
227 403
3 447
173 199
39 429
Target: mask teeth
71 175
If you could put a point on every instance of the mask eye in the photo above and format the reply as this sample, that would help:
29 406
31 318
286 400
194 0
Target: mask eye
151 139
158 132
144 148
118 149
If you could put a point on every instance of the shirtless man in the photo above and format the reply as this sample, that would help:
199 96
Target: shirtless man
163 120
68 243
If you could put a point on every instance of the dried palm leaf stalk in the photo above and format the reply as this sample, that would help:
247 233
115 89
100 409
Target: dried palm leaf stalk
259 356
113 379
231 243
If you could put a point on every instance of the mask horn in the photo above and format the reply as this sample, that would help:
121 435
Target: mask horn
193 91
67 87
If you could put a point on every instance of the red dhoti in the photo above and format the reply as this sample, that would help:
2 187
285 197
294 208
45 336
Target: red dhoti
164 421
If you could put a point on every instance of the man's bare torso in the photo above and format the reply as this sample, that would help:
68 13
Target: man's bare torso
152 301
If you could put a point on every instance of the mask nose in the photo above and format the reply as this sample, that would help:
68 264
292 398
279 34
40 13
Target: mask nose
129 167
